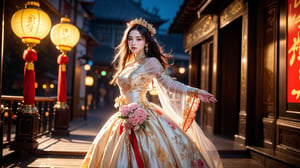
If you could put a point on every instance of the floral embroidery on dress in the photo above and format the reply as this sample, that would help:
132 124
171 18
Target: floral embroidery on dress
121 100
162 155
172 125
125 86
189 113
184 151
150 133
197 163
187 152
178 139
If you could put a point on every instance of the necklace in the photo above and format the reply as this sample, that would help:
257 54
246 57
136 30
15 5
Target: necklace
140 57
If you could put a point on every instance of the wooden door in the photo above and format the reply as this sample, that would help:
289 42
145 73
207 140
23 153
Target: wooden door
229 84
206 62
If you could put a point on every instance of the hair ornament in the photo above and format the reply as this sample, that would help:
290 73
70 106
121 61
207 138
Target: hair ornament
143 23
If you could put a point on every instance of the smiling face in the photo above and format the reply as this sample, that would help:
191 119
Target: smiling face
136 42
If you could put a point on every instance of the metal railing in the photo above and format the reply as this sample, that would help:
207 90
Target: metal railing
8 111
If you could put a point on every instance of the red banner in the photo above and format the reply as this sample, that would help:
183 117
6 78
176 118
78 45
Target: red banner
293 52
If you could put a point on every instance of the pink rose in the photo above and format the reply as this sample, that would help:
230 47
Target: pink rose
133 120
124 110
134 114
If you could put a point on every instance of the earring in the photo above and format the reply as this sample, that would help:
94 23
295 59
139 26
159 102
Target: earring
146 49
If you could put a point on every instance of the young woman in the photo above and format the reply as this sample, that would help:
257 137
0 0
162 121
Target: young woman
141 133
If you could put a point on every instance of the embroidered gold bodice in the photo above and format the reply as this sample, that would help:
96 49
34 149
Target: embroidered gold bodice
134 81
136 77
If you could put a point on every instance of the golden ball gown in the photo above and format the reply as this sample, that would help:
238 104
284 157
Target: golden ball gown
171 137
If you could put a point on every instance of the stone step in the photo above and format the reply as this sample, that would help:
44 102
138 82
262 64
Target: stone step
234 153
271 158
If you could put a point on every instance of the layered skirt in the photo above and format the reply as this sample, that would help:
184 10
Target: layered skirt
160 144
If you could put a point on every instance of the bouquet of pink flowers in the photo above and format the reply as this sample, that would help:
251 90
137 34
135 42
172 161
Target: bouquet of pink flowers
134 114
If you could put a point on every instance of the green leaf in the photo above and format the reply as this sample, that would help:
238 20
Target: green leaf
123 117
143 125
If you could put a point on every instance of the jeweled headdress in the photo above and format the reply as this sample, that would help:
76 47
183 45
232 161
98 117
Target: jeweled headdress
143 23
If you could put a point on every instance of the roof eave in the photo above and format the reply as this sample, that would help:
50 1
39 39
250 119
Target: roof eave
185 16
188 13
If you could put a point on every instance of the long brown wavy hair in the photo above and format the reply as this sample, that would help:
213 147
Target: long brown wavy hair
123 54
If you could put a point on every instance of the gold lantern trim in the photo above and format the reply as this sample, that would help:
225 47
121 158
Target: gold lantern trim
31 24
65 35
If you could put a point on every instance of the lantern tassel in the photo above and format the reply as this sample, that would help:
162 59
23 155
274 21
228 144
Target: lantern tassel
29 56
62 78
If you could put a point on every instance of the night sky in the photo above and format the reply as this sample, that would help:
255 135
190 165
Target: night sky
167 9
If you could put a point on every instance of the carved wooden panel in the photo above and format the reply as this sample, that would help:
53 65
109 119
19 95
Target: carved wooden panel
242 124
200 31
233 11
269 60
269 70
288 136
269 131
241 136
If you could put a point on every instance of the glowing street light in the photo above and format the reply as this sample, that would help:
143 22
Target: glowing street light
64 36
87 67
31 25
89 81
181 70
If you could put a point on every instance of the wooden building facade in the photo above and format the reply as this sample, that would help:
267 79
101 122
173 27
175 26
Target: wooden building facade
247 54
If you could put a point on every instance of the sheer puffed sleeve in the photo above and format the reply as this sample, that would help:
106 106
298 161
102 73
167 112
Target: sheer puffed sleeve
180 104
174 96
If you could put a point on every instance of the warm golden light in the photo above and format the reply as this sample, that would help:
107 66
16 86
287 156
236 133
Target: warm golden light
64 35
181 70
89 81
87 67
51 86
46 114
36 85
31 24
44 86
82 107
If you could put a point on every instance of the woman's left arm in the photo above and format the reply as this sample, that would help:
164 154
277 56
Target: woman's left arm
154 66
